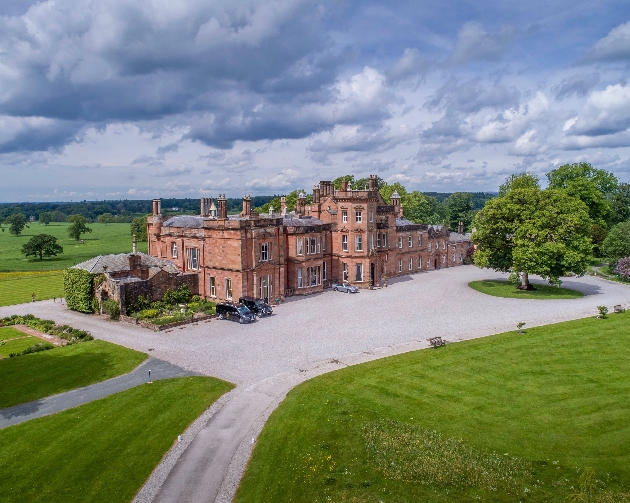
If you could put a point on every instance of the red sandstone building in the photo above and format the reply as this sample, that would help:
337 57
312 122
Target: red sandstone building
345 235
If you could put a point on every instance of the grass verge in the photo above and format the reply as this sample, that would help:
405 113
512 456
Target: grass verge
38 375
18 288
102 451
17 346
503 288
504 418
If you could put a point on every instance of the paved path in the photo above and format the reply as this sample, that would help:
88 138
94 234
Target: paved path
56 403
307 337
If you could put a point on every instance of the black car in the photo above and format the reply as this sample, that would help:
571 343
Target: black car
235 312
258 306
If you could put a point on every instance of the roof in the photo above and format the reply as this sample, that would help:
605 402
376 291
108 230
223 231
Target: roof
404 221
188 221
295 221
456 237
120 262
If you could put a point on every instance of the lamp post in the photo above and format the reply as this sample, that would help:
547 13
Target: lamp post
150 377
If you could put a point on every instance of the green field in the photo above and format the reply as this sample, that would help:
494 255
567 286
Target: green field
104 239
503 288
18 288
17 345
102 451
506 418
34 376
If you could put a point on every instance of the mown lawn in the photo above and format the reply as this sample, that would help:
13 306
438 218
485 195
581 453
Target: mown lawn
102 451
18 288
506 418
37 375
104 239
17 345
503 288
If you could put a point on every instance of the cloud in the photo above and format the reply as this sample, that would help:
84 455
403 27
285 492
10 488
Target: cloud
528 144
606 112
472 96
475 44
411 63
576 85
284 180
232 162
174 171
35 133
613 47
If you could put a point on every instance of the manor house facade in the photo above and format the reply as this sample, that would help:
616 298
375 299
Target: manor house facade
349 235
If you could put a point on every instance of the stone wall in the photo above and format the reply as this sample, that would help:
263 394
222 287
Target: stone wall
155 287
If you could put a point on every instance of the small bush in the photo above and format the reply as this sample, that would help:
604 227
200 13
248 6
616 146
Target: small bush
147 314
180 296
140 304
112 308
603 311
36 348
623 269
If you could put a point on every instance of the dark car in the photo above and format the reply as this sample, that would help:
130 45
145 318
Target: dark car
258 306
237 312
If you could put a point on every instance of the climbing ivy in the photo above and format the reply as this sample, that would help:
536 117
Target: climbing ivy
79 290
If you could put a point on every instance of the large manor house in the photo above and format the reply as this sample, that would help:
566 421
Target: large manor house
346 235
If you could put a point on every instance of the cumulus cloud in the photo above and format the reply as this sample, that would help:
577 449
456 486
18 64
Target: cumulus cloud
613 47
475 44
411 63
472 96
575 85
606 112
284 180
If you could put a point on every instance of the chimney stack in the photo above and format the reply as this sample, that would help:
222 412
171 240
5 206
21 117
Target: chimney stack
157 207
344 186
373 182
316 194
460 227
283 205
222 210
247 206
134 245
301 204
206 204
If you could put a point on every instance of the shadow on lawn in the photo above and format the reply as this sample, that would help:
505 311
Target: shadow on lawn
24 409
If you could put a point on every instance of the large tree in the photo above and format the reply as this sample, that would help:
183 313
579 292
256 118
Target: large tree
45 217
17 223
525 180
621 203
78 226
138 228
617 243
105 218
42 245
460 209
533 231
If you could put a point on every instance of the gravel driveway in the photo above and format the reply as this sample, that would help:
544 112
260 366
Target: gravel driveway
308 336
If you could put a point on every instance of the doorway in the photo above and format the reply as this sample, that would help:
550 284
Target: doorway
372 274
435 264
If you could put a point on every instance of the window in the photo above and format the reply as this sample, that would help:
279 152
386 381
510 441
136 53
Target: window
359 272
299 277
371 216
428 263
358 243
192 258
410 264
419 262
313 276
344 269
174 250
312 246
443 259
265 288
344 242
228 288
344 216
264 249
378 239
324 271
437 246
400 265
419 239
371 241
399 241
307 283
461 257
429 247
324 242
319 244
410 241
358 216
299 246
212 286
319 274
443 245
384 239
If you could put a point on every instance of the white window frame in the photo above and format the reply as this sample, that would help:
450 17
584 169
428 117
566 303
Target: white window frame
344 216
299 248
400 242
371 216
419 239
410 241
358 216
212 283
228 288
371 242
384 239
399 265
193 259
319 244
344 242
378 239
324 242
358 243
419 262
428 263
174 249
443 245
344 271
410 263
313 246
300 280
264 252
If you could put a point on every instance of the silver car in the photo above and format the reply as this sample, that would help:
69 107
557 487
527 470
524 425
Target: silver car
344 287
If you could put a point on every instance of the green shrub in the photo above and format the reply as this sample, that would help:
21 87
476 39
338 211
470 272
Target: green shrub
138 305
36 348
78 290
146 314
180 296
112 308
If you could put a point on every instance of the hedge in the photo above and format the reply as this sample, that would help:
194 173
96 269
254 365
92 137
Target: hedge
78 286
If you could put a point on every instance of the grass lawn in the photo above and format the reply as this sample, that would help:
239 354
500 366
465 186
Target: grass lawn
17 346
506 418
102 451
10 333
38 375
104 239
17 288
503 288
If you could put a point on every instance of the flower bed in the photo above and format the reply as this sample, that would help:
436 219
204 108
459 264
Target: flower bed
65 332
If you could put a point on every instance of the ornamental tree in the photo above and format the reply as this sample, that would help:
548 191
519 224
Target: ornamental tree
42 245
533 231
623 268
78 226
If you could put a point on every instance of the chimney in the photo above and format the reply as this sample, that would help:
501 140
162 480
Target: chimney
373 182
222 207
203 210
395 202
206 206
156 207
316 194
301 204
283 205
344 186
134 244
460 227
247 206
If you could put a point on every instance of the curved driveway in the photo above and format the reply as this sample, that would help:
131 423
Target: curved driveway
307 337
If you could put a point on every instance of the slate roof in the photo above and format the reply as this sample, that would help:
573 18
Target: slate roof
119 263
294 221
187 221
457 238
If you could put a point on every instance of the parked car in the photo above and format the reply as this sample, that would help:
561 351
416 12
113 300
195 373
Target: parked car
344 287
237 312
258 306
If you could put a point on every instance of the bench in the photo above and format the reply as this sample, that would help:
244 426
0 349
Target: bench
437 342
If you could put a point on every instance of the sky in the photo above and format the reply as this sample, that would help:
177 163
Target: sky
137 99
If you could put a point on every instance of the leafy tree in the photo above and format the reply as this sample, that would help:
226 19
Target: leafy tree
598 234
460 208
105 218
139 228
416 207
348 178
42 245
523 180
78 226
617 243
17 223
533 231
621 203
592 186
387 191
45 217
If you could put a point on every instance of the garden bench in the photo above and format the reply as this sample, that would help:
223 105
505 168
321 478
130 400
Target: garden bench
437 342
